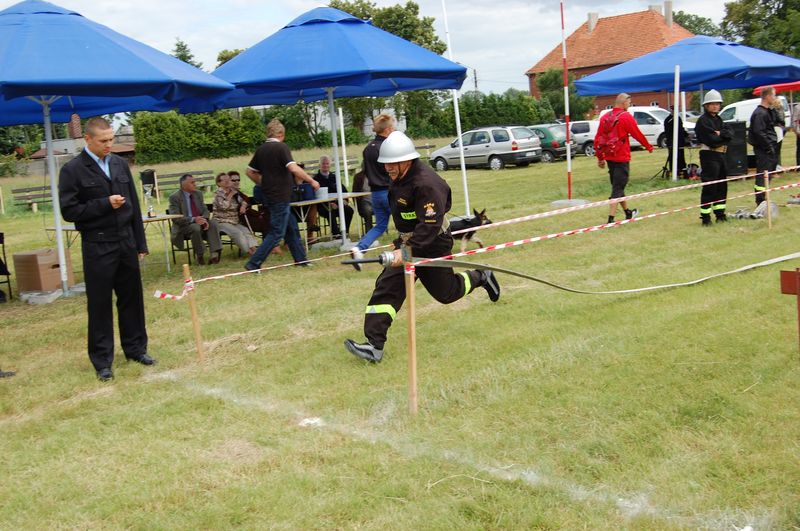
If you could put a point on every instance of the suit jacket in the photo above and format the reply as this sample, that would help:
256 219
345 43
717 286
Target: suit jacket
177 205
84 191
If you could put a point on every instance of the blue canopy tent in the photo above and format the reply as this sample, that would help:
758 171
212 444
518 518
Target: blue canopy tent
327 53
703 61
690 65
56 63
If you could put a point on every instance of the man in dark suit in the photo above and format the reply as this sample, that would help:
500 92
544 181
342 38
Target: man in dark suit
98 194
195 222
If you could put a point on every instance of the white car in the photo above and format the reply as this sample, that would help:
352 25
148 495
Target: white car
741 111
651 122
583 133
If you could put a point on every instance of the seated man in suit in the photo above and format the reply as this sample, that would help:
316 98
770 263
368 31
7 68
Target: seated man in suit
327 179
194 223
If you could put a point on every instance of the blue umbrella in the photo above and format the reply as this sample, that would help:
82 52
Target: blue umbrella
56 63
327 53
703 61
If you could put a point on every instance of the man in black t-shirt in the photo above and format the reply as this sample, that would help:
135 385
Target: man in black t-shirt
273 168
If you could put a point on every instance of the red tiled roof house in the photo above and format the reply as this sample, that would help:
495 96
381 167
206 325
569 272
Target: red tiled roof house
601 43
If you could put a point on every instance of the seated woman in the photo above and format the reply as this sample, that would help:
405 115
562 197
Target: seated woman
226 212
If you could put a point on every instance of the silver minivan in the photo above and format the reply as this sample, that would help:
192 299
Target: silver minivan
583 133
493 146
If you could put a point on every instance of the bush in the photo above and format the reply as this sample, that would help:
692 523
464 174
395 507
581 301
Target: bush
9 165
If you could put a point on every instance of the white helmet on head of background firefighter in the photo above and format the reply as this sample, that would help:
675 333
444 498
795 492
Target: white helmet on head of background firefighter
712 96
397 148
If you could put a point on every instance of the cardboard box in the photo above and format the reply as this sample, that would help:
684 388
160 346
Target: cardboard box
39 270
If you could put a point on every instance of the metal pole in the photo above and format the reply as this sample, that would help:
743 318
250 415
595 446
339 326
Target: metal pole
675 105
340 201
344 150
410 271
457 112
566 102
683 106
766 197
51 170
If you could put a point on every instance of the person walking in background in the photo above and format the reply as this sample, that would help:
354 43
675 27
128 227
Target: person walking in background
764 139
612 146
419 199
779 117
227 210
364 204
383 125
274 170
713 135
195 222
98 194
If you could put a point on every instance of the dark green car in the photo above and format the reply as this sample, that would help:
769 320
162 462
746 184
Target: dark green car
554 141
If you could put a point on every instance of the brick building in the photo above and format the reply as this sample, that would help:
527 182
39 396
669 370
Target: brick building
601 43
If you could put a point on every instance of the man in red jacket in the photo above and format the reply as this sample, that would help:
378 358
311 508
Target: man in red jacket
612 145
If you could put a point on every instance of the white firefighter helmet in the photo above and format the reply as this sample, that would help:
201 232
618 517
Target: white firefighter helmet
397 148
712 96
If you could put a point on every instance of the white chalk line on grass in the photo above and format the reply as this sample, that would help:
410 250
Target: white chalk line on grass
628 506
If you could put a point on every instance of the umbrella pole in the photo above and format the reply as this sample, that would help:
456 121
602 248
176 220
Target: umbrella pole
344 151
51 169
457 112
675 104
340 201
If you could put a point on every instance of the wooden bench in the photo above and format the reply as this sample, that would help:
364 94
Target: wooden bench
206 181
312 166
32 197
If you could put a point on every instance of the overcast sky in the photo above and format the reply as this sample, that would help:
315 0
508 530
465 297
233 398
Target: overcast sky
500 40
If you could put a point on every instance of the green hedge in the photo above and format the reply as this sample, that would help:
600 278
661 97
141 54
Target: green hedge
169 136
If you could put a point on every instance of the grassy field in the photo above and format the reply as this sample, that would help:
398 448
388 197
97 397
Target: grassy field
675 409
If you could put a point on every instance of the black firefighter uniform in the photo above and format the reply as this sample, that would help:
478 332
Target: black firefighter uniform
712 161
418 202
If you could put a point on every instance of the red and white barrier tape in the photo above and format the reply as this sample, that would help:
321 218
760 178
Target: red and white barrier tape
189 285
584 230
606 202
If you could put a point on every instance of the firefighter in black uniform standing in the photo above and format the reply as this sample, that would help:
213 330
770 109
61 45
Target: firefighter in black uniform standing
713 136
418 199
764 139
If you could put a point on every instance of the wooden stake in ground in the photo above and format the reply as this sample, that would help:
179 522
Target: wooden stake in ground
198 338
769 205
412 339
2 203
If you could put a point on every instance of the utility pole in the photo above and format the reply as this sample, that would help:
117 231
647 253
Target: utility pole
475 78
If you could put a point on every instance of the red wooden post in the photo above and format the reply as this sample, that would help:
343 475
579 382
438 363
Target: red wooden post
790 285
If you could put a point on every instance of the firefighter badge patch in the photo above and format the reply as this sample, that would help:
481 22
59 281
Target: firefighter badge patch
429 211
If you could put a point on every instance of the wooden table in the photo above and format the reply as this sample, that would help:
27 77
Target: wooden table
162 221
304 207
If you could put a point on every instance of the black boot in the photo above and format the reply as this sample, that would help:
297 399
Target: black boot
722 218
610 219
706 219
630 214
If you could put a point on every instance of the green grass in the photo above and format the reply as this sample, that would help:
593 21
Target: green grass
547 410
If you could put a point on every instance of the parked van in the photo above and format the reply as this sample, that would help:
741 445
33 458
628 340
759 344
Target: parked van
741 111
651 122
583 132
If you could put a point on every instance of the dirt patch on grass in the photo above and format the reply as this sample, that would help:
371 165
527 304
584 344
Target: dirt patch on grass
237 451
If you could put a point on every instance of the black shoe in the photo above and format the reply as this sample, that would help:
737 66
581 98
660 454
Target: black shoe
491 285
706 220
365 351
304 264
630 214
722 218
201 260
6 374
144 359
105 375
250 267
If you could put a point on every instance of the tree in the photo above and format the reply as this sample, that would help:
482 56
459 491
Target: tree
769 25
551 87
226 55
697 24
405 22
182 52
